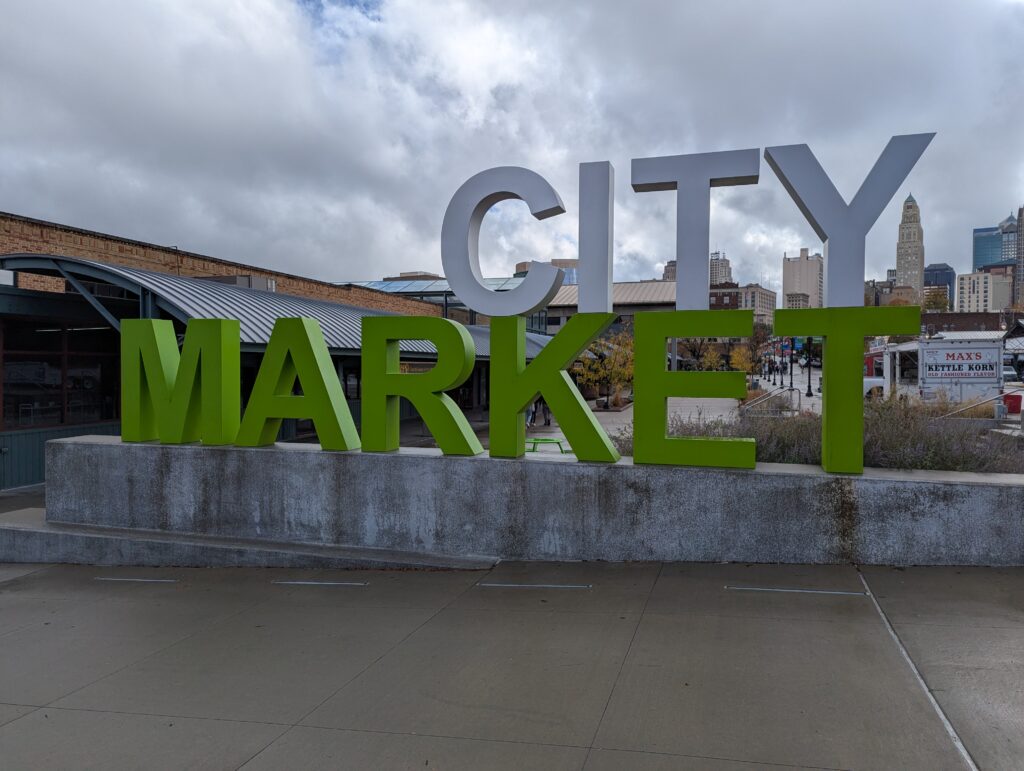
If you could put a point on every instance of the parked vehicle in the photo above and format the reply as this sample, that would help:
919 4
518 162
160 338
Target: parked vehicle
874 387
1010 375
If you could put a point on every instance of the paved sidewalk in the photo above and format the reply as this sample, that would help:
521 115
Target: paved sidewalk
31 497
527 666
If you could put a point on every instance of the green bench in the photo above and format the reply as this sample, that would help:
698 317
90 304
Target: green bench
533 441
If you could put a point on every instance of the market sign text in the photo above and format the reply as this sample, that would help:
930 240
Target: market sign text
194 394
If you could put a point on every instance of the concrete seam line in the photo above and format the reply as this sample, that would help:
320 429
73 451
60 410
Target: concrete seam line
950 730
622 664
320 583
360 673
792 591
365 669
161 649
25 575
536 586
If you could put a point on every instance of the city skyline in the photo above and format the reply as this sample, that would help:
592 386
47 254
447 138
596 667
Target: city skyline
1008 249
334 134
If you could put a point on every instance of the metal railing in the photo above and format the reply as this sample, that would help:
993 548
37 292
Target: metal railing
972 405
768 395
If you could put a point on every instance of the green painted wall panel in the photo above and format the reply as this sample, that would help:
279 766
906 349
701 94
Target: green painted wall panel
22 453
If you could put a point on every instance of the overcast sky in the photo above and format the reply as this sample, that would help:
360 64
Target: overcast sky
326 138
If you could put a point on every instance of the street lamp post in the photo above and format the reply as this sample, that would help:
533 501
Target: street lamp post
792 355
774 365
809 393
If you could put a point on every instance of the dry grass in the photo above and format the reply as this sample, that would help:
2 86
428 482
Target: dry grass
896 435
753 393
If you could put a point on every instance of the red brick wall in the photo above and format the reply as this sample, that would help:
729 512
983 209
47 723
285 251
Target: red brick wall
20 234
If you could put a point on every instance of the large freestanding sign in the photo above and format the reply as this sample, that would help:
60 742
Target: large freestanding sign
194 395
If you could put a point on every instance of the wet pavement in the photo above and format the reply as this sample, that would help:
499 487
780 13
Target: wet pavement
526 666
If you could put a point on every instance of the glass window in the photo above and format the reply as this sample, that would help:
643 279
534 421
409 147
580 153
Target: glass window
351 385
93 339
92 389
32 336
32 391
53 375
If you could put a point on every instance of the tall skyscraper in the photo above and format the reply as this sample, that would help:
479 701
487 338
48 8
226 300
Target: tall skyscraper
721 270
1018 274
996 243
803 280
910 249
1008 237
941 274
988 247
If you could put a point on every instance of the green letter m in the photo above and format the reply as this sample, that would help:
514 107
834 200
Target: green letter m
180 398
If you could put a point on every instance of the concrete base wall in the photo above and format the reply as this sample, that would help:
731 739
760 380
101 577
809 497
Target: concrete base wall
26 537
544 507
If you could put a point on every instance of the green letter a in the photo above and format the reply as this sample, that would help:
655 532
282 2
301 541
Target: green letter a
296 351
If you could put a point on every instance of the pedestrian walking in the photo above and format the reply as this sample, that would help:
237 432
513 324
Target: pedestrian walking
531 414
545 411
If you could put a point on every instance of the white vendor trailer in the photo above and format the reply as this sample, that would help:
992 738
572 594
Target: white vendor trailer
960 367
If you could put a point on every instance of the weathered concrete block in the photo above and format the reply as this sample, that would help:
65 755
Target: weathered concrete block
542 507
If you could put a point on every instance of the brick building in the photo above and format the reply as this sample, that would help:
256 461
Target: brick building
724 296
22 234
72 288
979 321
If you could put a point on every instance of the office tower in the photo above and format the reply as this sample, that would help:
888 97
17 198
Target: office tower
1018 273
996 243
939 274
721 270
910 249
985 292
803 280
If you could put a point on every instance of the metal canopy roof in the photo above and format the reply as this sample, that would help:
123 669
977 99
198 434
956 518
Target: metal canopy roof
995 334
186 298
623 293
439 286
434 286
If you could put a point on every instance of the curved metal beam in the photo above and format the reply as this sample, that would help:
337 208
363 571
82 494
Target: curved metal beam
66 267
28 263
96 304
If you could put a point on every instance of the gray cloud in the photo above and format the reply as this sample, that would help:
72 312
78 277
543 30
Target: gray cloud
326 138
